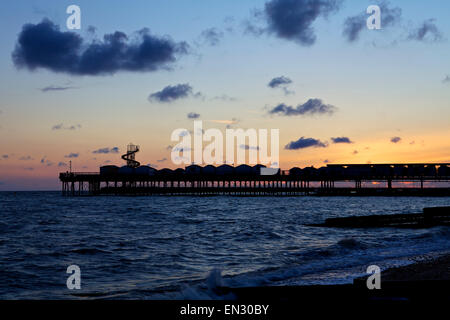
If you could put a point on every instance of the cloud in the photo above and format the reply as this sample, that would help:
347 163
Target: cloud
28 168
5 156
46 162
305 143
172 93
353 26
355 152
61 126
152 165
341 140
62 164
224 97
161 160
107 150
44 46
181 149
72 155
446 79
55 88
427 32
227 122
212 36
57 126
184 133
193 115
293 19
247 147
279 82
25 158
395 139
310 107
91 29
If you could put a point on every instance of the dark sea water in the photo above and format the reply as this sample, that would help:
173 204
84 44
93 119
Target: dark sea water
182 247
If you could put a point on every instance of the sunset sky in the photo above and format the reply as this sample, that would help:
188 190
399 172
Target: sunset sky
311 70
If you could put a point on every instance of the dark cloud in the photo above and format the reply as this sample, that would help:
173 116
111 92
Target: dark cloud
193 115
62 164
428 32
107 150
61 126
43 45
55 88
279 82
355 152
310 107
172 93
26 158
395 139
353 26
5 156
161 160
72 155
341 140
212 36
293 19
305 143
446 79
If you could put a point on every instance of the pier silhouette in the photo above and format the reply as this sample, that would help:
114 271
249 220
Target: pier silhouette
245 180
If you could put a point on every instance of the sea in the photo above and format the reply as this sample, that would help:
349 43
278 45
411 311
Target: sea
185 247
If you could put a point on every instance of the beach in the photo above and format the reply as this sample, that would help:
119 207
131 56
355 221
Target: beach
423 282
429 269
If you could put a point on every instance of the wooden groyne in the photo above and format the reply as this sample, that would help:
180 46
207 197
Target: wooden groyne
430 217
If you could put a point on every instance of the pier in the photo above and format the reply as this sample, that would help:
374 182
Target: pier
244 180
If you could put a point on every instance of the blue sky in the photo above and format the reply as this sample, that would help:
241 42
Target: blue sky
383 85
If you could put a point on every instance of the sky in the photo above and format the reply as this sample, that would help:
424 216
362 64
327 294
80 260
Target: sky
135 71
